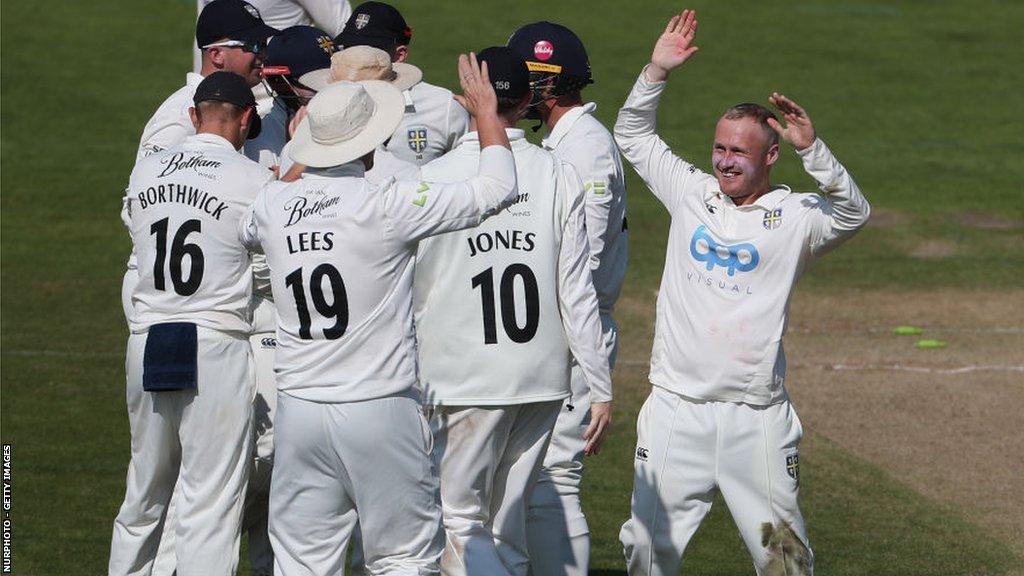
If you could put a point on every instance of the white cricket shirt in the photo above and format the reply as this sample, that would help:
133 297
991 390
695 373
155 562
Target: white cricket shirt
341 255
581 140
184 205
432 125
501 309
170 124
730 270
327 15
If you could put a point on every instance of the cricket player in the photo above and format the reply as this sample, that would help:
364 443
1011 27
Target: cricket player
559 69
328 15
350 437
500 312
718 416
290 54
232 38
433 120
189 375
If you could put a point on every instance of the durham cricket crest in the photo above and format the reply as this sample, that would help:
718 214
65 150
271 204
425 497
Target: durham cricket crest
362 20
417 137
772 219
793 466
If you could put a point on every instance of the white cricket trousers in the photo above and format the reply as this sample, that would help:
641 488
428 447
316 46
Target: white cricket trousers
557 530
489 457
257 493
686 450
200 439
333 462
256 513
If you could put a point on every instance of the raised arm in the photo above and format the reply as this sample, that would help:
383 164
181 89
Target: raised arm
416 210
577 301
329 15
667 175
846 209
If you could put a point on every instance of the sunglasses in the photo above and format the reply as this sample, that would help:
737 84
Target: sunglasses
254 46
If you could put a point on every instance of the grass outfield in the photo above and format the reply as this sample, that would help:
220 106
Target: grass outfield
920 100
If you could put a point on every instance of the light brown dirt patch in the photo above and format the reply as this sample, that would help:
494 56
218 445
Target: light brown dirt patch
948 422
989 221
929 249
953 436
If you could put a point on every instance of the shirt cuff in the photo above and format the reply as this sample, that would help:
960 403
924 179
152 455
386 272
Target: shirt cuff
647 82
814 151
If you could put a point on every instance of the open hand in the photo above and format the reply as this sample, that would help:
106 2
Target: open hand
478 97
675 45
600 425
798 130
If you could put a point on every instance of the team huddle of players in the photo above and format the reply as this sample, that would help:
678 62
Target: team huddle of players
371 324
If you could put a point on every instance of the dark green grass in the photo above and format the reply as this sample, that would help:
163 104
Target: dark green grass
919 99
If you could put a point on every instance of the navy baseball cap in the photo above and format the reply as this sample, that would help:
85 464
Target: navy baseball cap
300 49
554 49
507 71
375 24
231 88
233 20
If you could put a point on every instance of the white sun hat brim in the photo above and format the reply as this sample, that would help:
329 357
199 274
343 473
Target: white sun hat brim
405 76
389 107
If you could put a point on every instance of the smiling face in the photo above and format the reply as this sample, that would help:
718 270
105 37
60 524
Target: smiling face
243 63
743 155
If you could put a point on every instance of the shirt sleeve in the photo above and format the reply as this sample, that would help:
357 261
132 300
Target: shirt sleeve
248 225
261 277
170 134
328 15
577 298
598 178
458 123
418 209
844 210
668 176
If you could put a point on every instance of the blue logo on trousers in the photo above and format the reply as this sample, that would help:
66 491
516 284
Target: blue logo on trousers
742 257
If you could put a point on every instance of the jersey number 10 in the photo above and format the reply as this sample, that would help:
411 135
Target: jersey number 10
485 281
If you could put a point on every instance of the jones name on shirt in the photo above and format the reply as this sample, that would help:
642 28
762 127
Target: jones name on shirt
501 240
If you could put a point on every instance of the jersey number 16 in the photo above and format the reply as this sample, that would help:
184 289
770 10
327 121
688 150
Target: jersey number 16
179 249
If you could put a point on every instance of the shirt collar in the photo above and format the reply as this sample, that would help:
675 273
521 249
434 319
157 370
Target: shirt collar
193 79
354 169
766 201
212 139
513 134
565 123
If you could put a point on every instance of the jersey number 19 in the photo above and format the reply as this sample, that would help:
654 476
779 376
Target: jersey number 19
337 308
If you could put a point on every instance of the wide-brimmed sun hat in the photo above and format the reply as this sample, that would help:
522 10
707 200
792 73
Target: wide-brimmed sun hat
360 63
345 121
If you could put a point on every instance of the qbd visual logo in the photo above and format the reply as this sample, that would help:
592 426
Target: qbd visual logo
738 257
